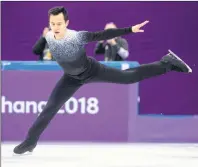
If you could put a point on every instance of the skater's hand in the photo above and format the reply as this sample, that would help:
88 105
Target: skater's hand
137 28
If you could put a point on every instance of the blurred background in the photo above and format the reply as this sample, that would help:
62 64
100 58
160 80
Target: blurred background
167 106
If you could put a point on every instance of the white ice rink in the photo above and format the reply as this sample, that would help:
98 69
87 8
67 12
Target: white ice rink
103 155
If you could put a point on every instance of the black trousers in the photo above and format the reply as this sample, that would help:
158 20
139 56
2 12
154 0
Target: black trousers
68 85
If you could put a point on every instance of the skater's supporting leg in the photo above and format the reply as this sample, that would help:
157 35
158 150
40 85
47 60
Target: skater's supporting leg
63 90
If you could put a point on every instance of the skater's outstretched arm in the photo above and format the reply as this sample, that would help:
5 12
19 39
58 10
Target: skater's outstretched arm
86 37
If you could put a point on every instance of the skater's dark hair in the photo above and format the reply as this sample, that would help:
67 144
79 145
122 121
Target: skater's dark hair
57 10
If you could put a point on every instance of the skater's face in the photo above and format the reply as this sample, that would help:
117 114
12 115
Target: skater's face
58 25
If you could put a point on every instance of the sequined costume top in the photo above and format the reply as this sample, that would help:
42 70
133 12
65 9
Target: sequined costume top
69 52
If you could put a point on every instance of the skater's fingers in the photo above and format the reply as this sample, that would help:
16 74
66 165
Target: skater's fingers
144 23
141 31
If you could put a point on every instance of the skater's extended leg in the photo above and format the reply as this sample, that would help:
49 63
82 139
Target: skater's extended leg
168 63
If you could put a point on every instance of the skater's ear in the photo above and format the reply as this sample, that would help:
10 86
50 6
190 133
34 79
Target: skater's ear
67 23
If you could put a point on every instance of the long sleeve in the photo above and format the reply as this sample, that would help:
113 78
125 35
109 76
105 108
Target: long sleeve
39 46
86 37
99 49
122 48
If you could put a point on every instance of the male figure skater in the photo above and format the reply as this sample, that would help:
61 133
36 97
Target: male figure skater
67 47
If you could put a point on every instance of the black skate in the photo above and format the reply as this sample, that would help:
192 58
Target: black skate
24 147
178 64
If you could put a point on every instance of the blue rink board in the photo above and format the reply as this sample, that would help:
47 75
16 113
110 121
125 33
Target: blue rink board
53 66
